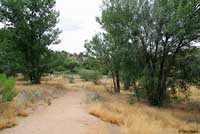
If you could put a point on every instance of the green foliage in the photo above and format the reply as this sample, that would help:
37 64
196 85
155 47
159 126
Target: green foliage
34 24
91 63
145 37
132 65
63 62
164 29
103 48
188 67
70 64
89 75
2 79
7 88
11 59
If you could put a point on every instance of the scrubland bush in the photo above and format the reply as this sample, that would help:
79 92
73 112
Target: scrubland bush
7 90
139 93
93 97
70 77
90 75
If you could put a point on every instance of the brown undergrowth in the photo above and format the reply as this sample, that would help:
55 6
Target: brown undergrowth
27 99
137 118
140 117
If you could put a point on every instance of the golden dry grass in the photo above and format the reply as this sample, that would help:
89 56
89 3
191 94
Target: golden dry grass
23 113
106 113
7 123
47 84
195 93
10 110
141 118
7 115
147 120
133 119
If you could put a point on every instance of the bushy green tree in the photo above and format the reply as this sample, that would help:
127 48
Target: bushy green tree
164 28
91 63
34 22
63 62
90 75
103 49
70 64
161 28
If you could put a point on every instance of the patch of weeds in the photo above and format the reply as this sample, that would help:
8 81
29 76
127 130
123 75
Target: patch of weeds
93 97
132 98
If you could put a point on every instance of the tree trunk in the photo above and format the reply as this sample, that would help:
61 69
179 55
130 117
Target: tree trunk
161 88
118 82
35 79
114 82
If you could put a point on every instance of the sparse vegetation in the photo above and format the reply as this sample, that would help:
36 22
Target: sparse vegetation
142 69
115 109
140 117
90 75
7 88
148 42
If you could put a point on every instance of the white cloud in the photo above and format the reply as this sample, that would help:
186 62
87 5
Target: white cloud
77 22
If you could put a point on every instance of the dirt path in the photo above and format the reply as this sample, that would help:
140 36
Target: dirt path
66 115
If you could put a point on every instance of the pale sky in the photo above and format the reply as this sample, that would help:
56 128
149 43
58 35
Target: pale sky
77 22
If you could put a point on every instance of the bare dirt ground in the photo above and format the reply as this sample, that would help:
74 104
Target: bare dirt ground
66 115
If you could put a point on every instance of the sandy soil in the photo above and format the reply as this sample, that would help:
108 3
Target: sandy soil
66 115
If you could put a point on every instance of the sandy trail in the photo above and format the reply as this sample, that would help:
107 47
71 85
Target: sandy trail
66 115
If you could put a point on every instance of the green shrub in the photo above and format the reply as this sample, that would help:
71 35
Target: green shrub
90 75
132 98
7 90
2 79
138 94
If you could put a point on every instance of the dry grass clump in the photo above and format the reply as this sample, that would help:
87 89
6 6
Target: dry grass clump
7 123
106 113
23 113
109 109
7 115
141 118
102 86
148 120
